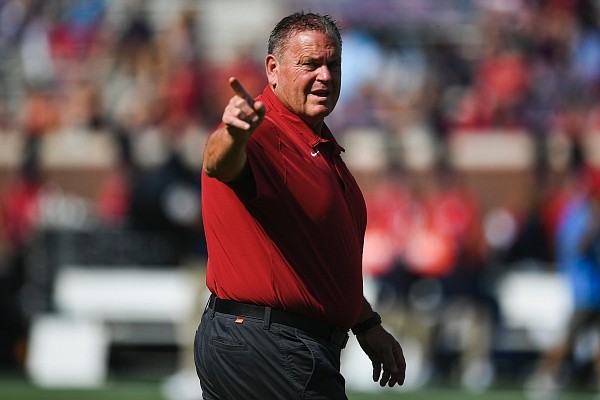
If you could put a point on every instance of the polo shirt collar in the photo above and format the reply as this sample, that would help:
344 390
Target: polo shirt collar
300 127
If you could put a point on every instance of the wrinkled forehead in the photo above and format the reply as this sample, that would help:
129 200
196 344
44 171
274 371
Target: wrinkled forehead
312 39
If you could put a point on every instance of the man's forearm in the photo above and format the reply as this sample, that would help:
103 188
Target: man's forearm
367 320
366 311
224 155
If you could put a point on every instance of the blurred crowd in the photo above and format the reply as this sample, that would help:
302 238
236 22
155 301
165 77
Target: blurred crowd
411 85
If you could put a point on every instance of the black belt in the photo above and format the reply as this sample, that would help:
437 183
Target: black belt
334 334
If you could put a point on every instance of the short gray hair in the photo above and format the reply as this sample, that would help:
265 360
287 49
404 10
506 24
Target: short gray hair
300 22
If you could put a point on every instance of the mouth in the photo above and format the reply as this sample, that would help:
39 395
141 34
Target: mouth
321 94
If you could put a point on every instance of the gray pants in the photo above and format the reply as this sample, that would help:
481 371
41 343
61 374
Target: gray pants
251 359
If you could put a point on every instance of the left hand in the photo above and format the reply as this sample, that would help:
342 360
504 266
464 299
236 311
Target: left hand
385 353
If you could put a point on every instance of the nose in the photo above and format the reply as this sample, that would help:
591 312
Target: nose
324 74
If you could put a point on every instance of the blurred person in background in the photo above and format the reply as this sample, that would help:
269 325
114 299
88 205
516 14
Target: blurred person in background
434 272
19 217
285 222
578 258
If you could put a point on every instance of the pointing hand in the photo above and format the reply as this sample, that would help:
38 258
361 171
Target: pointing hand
242 115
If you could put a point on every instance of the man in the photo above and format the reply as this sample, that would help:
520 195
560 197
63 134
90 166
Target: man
284 222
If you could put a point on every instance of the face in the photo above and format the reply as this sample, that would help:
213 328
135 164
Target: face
307 76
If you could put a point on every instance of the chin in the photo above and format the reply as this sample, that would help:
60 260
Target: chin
321 111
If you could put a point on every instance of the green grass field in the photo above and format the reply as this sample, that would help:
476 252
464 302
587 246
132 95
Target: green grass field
20 389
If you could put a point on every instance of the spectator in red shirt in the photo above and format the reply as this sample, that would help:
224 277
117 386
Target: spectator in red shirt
19 219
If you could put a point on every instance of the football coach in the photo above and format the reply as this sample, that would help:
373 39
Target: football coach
284 222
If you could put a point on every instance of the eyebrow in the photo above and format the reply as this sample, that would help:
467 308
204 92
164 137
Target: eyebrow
319 58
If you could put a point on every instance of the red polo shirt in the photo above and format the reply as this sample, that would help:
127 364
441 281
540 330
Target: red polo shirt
290 234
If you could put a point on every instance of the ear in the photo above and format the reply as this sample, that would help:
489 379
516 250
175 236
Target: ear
272 69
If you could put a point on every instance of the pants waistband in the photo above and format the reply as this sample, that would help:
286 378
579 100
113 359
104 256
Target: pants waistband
334 334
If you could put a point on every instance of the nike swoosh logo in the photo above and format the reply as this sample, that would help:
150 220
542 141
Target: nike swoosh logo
314 154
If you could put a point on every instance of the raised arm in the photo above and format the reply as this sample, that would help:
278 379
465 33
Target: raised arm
225 151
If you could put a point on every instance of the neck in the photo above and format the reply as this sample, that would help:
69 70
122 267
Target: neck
317 127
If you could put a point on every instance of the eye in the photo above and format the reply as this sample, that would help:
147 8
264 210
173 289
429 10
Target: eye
310 65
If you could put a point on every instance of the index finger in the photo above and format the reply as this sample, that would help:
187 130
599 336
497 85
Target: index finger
239 90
